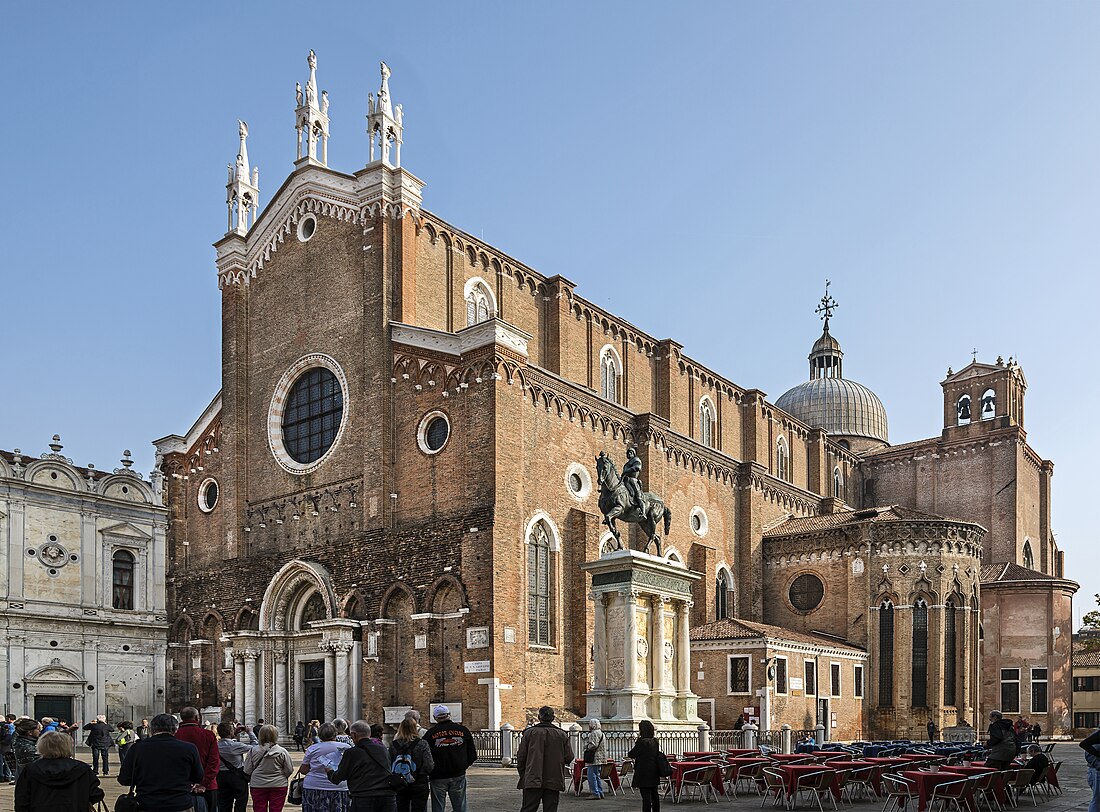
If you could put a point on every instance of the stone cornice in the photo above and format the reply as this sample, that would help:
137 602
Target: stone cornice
493 332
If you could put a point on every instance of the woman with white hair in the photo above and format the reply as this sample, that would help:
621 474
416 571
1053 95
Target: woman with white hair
595 754
57 781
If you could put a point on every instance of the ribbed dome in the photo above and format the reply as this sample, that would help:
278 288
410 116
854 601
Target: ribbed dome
838 405
826 344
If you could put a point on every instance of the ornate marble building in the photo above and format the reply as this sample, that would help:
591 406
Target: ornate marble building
388 502
82 568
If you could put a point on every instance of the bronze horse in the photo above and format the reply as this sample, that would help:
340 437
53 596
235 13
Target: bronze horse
616 503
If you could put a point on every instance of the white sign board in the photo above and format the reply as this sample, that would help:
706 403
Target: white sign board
393 715
796 683
476 667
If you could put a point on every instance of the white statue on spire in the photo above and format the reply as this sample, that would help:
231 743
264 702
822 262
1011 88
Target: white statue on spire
385 122
312 118
242 193
324 102
298 93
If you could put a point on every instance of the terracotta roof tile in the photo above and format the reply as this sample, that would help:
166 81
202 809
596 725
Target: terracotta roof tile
829 521
734 629
1011 572
1083 658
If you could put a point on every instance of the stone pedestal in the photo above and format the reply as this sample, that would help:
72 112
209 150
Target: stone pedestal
642 649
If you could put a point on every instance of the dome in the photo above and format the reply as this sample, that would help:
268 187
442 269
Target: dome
826 345
838 405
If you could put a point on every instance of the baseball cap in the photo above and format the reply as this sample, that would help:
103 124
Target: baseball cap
439 711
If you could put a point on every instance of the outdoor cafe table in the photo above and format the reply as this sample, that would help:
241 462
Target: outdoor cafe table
784 757
792 772
699 755
927 782
741 751
681 767
744 761
856 765
918 757
998 785
579 775
892 761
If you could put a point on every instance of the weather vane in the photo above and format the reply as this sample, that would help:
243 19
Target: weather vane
827 306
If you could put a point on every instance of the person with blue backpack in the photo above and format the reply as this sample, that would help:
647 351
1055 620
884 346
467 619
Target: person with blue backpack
411 758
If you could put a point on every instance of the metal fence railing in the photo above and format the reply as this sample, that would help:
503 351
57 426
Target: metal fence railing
489 746
727 739
771 738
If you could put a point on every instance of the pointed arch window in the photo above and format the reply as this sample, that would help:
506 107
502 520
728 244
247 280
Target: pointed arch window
611 370
782 460
886 654
962 409
479 302
706 422
989 404
1029 556
950 650
539 585
920 653
723 585
838 484
122 580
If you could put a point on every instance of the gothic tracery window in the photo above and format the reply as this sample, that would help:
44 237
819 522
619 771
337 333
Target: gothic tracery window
886 654
722 586
479 304
610 372
706 423
838 484
782 460
950 643
539 585
313 610
122 580
1029 556
920 653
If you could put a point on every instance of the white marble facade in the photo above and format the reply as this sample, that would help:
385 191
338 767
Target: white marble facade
75 543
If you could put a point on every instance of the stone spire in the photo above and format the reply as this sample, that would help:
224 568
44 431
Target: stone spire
312 119
384 122
242 190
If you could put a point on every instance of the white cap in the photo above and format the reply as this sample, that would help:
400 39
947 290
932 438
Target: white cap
440 711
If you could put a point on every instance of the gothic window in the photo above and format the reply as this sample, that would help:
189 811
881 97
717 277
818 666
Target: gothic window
722 586
950 649
479 303
313 413
314 610
886 654
610 372
834 679
962 409
920 654
1029 556
838 484
706 423
122 580
539 583
989 404
782 460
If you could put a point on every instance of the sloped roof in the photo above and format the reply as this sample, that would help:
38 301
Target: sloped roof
1083 658
831 521
991 573
734 629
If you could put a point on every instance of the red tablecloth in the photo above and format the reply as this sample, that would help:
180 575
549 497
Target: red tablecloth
681 767
744 761
579 775
998 785
792 772
699 755
927 782
740 751
918 757
784 757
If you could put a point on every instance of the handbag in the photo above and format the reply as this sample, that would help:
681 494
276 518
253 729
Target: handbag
236 771
664 769
590 755
127 802
294 794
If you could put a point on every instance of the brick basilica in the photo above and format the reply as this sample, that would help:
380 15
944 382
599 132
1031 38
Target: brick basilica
387 503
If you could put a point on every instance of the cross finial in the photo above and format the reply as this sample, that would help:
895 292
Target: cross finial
974 354
827 306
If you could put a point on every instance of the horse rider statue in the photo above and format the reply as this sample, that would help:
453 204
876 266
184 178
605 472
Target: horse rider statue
621 497
632 472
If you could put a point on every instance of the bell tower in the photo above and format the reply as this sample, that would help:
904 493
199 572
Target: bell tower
983 396
242 190
311 118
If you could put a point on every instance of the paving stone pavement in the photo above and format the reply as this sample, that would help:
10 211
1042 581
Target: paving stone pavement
493 789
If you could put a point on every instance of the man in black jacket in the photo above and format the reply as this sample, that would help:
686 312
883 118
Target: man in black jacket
99 739
163 770
453 751
366 768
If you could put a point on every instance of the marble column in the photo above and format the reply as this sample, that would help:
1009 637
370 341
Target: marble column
251 658
280 692
343 693
630 639
660 684
330 680
599 679
238 684
683 648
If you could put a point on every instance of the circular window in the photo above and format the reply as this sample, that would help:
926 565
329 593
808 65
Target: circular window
125 489
208 495
125 648
306 417
53 538
578 481
806 592
699 522
53 644
53 475
16 686
433 432
307 227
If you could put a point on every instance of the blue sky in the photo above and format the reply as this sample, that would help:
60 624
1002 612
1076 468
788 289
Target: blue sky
698 168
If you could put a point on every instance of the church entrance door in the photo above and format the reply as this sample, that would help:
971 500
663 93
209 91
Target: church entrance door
56 707
313 691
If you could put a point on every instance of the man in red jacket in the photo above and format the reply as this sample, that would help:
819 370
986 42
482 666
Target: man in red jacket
207 744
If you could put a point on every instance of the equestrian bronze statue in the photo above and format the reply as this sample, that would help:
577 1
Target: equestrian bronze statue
621 497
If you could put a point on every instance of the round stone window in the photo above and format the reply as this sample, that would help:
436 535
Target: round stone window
306 418
577 481
806 592
208 495
307 227
433 432
699 522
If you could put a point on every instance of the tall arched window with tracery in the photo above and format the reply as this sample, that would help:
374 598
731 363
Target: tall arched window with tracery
838 484
723 585
920 653
886 654
950 644
479 303
782 460
1029 556
610 372
706 423
540 582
